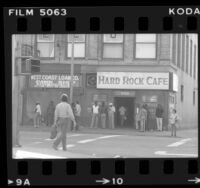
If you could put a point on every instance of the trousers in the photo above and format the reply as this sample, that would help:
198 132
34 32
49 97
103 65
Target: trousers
159 123
63 123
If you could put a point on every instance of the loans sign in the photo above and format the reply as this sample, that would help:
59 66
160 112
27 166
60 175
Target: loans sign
54 81
133 80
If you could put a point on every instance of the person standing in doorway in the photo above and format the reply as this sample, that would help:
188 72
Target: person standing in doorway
173 120
38 114
63 117
122 113
50 113
103 114
159 117
78 115
95 115
143 118
111 112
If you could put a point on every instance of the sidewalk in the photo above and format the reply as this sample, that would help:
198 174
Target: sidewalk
124 131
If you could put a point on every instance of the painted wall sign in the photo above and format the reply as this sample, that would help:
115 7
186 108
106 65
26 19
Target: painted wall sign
133 80
53 81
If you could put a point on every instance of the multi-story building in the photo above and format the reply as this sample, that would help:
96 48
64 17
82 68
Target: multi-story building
125 69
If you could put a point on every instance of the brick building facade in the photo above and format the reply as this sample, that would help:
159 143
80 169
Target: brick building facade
168 63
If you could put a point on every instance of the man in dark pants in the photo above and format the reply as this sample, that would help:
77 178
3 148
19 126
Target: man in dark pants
63 117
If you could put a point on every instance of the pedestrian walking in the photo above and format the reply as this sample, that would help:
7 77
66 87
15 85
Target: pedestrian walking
38 113
78 115
95 115
63 117
137 118
111 112
122 113
143 118
159 117
74 110
50 113
173 120
103 114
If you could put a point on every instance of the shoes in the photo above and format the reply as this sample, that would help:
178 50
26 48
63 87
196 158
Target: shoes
54 147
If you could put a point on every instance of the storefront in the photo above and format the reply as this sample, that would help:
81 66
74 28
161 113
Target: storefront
133 89
44 88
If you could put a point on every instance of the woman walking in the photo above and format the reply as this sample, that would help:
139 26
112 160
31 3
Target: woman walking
63 117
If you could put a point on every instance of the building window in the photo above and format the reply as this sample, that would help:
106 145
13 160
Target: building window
79 46
45 46
195 61
182 93
27 50
194 97
191 57
113 46
179 51
183 52
187 54
145 46
174 49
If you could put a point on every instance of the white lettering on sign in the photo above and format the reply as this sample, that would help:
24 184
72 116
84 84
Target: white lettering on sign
54 81
133 80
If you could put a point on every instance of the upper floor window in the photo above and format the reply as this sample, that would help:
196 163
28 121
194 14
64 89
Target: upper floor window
45 45
145 46
79 45
113 46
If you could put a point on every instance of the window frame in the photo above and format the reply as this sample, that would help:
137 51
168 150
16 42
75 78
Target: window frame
194 97
156 47
49 58
195 62
66 47
182 93
183 58
112 43
191 57
187 54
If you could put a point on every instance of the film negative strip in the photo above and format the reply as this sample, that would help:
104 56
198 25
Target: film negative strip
102 95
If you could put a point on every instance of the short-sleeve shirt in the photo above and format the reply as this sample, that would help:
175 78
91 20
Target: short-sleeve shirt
122 110
95 109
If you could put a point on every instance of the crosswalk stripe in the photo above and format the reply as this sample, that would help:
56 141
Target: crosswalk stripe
86 141
20 154
176 144
98 138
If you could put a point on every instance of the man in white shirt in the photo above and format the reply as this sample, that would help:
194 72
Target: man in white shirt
95 115
63 117
111 111
78 114
38 114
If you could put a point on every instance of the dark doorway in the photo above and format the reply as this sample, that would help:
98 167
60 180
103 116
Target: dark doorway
128 103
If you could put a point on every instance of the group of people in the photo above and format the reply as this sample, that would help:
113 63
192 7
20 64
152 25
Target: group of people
105 113
50 115
143 118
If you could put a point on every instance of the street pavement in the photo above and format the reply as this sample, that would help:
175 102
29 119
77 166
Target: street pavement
108 143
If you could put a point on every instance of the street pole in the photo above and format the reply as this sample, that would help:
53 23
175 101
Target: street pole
72 71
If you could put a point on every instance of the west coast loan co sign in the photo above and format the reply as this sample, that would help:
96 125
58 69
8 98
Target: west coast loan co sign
133 80
54 81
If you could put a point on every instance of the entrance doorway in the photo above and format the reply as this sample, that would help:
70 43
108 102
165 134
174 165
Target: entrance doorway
129 104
